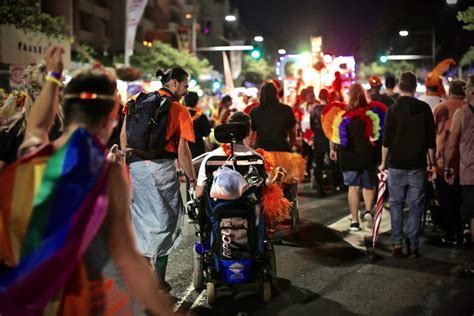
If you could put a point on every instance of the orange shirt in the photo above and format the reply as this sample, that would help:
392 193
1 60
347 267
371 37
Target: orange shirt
180 124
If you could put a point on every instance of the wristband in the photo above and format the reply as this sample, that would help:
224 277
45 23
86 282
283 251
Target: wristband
54 80
54 74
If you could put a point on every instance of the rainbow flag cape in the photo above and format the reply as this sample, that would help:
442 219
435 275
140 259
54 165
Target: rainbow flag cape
52 205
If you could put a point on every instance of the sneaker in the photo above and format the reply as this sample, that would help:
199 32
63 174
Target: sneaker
397 251
354 227
413 253
369 219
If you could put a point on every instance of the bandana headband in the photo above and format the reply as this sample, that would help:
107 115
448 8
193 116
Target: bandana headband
90 96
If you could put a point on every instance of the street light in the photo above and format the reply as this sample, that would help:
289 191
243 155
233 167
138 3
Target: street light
282 51
230 18
258 38
403 33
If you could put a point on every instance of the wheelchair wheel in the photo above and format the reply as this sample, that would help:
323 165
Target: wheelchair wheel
211 293
294 211
267 292
198 273
273 266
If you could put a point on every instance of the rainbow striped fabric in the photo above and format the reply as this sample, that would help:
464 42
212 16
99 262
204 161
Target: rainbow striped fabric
52 205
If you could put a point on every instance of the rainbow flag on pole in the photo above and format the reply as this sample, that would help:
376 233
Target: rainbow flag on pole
52 205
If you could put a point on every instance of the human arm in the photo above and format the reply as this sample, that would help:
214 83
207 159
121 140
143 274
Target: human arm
453 145
383 164
431 141
185 161
134 269
45 108
123 134
332 151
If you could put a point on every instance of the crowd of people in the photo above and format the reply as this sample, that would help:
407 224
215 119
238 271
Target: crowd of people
131 212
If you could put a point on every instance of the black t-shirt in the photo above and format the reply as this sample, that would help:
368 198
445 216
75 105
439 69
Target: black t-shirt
271 122
202 129
360 153
388 101
408 134
321 142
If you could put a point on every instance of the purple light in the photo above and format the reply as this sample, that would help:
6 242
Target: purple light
206 30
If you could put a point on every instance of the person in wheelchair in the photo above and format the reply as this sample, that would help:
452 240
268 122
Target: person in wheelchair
241 151
233 248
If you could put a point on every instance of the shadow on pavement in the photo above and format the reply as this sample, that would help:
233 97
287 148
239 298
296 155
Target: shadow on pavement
287 300
324 245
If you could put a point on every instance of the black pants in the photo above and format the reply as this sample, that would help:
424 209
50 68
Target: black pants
319 167
450 198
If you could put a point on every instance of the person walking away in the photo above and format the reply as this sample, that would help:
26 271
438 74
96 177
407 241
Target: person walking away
390 84
157 207
321 144
358 158
449 195
375 95
409 135
462 139
80 240
224 109
201 126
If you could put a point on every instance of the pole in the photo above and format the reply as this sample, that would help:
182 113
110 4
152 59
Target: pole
194 35
433 46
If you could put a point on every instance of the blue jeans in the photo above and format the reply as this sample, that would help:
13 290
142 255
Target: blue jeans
409 186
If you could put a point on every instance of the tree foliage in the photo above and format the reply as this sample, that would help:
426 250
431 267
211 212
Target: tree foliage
161 55
256 71
468 18
394 67
25 15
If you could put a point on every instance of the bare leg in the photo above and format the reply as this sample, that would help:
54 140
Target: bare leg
353 199
369 196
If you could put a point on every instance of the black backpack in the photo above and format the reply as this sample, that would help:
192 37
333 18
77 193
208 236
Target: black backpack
146 123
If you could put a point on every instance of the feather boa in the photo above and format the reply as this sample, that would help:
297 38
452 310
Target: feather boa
276 207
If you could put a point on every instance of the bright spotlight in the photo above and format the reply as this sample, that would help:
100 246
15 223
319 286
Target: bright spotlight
258 38
403 33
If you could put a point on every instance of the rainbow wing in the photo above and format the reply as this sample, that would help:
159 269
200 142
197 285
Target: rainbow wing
331 119
376 113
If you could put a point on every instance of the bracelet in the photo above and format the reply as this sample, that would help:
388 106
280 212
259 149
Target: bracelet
54 80
55 74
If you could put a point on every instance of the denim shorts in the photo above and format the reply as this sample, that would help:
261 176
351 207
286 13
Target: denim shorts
366 178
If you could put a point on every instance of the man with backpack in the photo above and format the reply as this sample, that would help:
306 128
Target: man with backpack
157 130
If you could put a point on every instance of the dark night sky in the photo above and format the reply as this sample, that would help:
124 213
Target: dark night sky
359 27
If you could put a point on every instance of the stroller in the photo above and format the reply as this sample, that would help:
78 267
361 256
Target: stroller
233 251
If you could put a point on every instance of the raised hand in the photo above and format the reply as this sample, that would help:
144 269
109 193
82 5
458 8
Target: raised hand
53 59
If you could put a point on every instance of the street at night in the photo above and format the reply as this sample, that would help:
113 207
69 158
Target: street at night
236 157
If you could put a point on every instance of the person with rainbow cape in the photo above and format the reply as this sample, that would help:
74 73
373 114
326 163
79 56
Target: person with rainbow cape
64 211
356 129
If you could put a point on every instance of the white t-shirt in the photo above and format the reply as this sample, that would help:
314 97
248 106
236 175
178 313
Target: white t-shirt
432 100
239 150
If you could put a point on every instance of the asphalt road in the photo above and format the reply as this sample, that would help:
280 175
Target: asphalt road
325 269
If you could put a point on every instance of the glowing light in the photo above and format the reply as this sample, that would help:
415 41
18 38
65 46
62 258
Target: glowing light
403 33
188 16
258 38
282 51
383 59
230 18
192 83
327 58
451 1
206 30
256 54
306 58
